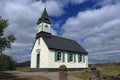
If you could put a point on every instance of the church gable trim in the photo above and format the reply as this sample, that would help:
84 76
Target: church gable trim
33 46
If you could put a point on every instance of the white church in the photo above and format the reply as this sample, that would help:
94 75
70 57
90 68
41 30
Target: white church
50 52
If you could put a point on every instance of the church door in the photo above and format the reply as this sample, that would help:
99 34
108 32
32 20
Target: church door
38 60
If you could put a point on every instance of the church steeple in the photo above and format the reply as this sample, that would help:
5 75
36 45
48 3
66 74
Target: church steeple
44 17
44 22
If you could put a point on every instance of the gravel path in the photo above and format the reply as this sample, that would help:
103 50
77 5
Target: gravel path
50 75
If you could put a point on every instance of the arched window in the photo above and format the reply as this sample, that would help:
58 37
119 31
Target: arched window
46 28
38 51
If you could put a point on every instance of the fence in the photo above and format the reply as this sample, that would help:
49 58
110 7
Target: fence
95 74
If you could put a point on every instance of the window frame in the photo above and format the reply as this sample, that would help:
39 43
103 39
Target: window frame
71 57
39 28
79 57
59 56
46 28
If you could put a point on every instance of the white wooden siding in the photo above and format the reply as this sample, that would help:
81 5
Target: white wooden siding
47 58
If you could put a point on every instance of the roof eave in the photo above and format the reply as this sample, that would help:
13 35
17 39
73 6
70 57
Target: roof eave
69 51
46 21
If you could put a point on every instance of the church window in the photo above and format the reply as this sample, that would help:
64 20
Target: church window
59 56
39 26
38 51
79 57
71 56
46 28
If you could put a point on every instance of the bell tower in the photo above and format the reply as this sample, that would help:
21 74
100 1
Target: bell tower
44 23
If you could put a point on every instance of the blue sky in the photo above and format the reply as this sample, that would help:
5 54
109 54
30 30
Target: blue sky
94 24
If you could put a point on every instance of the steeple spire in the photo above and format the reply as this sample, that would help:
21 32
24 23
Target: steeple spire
44 17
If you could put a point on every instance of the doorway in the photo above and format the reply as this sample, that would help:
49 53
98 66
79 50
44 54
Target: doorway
38 61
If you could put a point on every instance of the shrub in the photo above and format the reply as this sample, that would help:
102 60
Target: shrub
6 63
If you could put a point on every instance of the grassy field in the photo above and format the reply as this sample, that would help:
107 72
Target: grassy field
81 75
22 68
113 69
105 69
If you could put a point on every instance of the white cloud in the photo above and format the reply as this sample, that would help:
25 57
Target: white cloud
97 30
22 16
65 2
53 31
106 2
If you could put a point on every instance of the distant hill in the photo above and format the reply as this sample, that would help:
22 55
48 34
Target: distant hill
105 64
26 63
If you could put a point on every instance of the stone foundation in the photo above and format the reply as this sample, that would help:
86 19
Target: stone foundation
53 69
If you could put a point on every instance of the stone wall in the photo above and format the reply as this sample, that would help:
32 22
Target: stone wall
95 75
111 77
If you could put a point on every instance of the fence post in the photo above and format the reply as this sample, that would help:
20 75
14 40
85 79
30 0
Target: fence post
62 72
95 74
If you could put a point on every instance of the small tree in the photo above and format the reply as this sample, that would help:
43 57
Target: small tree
6 63
5 41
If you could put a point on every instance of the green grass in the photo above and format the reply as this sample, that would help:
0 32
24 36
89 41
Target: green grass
104 70
22 68
109 70
82 75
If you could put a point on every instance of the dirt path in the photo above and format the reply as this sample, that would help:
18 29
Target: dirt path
33 77
17 76
47 75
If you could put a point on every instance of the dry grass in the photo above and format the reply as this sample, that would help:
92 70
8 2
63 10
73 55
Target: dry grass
105 69
23 68
8 76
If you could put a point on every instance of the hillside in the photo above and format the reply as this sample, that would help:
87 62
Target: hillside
26 63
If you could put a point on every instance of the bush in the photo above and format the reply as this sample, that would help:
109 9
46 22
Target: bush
6 63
